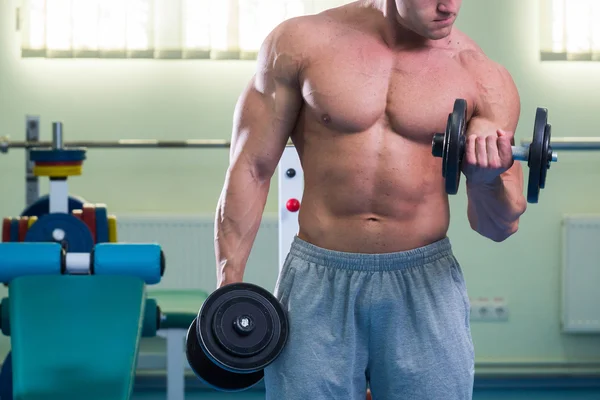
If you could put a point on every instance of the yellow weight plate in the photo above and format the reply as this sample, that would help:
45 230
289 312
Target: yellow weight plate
31 221
57 171
112 229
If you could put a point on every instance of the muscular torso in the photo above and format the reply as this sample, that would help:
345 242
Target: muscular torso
364 138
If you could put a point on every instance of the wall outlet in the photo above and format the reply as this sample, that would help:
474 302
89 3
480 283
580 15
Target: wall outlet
485 309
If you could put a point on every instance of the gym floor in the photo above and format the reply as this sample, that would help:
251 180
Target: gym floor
485 389
581 394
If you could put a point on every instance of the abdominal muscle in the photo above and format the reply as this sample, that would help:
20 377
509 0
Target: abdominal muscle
370 192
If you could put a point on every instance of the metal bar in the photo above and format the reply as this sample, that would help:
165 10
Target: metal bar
32 135
57 135
572 143
126 144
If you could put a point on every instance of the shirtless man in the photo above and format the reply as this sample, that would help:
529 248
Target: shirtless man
374 294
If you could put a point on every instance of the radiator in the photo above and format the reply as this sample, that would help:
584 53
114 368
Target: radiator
188 244
581 274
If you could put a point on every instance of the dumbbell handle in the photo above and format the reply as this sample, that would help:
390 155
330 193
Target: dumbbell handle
521 153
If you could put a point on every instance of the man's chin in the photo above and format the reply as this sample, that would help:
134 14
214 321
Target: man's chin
438 34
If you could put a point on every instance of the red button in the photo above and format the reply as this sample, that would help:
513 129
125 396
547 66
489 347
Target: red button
292 205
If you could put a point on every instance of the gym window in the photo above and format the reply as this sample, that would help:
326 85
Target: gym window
170 29
570 30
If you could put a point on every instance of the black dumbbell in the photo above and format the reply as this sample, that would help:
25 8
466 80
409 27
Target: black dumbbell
240 329
450 146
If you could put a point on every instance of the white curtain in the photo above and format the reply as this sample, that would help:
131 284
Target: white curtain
570 29
222 29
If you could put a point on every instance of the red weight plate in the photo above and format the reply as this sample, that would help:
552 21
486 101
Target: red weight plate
59 164
6 229
23 227
89 217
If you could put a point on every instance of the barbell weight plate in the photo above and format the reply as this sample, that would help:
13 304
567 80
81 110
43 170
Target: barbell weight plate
77 235
210 373
59 164
42 206
102 234
23 227
242 327
112 229
536 158
6 224
50 155
89 217
31 221
57 172
455 136
78 214
14 230
5 318
6 378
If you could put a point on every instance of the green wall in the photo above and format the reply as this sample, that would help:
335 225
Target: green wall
113 99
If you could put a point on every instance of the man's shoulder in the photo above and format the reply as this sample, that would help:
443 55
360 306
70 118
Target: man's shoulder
494 81
303 30
317 29
473 58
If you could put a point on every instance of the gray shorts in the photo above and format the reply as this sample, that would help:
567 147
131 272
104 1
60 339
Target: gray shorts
396 322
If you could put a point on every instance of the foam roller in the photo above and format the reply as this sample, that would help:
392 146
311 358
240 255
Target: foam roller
30 258
145 261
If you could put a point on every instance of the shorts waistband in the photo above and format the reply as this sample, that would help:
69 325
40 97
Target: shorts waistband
371 262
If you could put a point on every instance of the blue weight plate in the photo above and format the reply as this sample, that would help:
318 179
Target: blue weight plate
6 378
77 236
5 318
42 206
101 224
53 155
14 230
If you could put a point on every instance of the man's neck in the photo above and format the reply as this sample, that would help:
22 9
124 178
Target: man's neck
397 33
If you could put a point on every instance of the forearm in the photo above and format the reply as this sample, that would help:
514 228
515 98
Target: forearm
494 209
239 213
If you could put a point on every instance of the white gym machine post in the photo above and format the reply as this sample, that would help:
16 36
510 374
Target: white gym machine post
291 186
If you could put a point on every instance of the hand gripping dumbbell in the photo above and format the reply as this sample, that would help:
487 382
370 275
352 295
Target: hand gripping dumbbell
240 329
450 146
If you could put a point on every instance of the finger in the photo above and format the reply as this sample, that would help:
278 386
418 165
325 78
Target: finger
505 134
493 157
481 152
470 156
505 152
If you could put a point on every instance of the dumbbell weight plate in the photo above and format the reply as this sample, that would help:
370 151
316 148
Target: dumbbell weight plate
450 146
220 330
210 373
241 328
546 154
540 155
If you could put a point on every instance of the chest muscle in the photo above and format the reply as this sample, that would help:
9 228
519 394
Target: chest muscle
356 88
